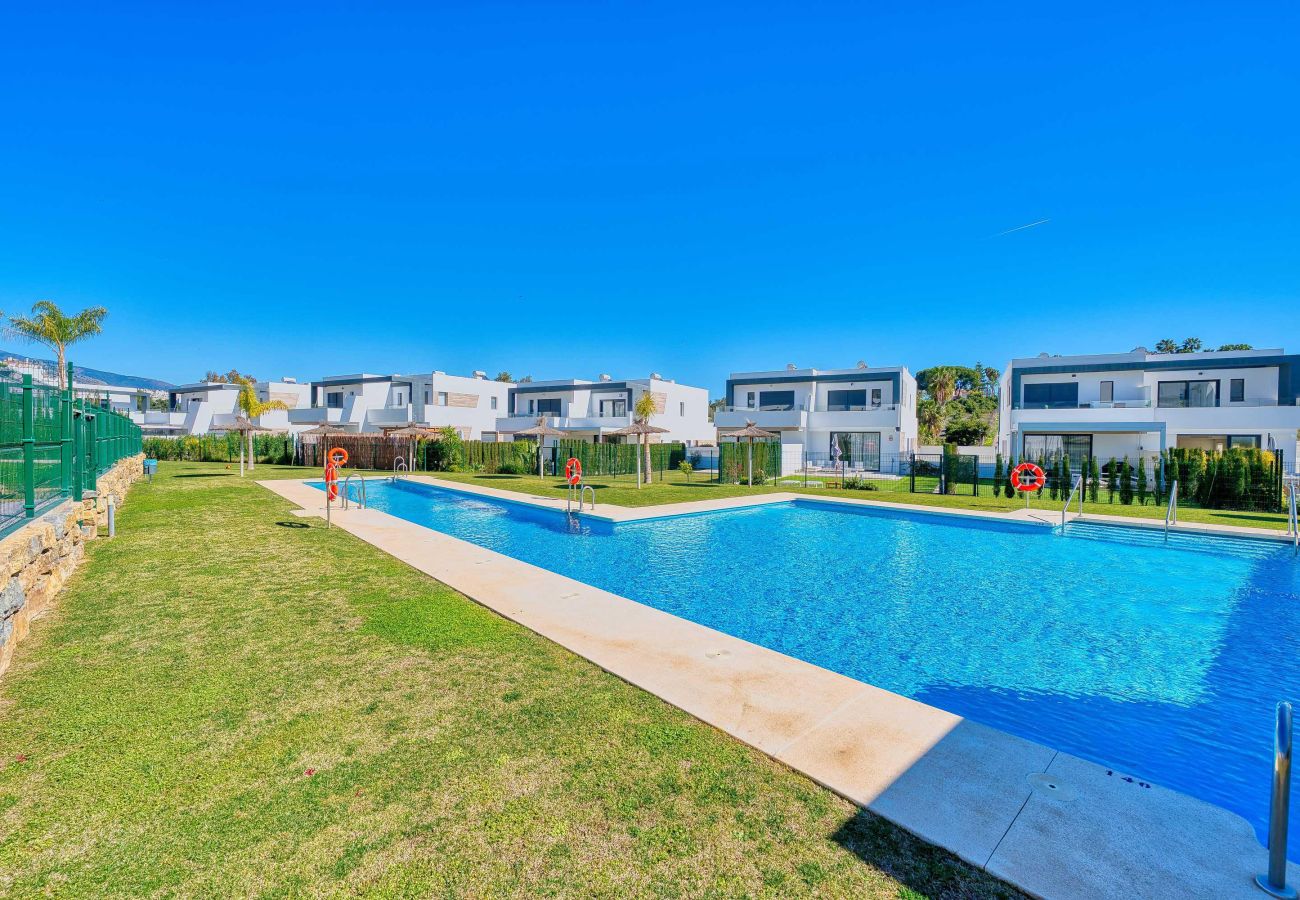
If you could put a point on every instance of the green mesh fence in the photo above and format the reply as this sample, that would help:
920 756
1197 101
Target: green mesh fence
53 447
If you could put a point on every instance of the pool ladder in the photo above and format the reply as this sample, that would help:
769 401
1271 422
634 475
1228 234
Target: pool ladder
1171 514
399 465
580 492
1076 489
1292 518
1273 882
361 494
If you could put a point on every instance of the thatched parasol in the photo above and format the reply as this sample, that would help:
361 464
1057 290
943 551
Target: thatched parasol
246 428
642 429
750 431
540 430
325 430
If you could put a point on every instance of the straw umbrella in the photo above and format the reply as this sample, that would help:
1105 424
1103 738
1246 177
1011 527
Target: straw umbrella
541 431
414 432
243 428
642 430
750 431
325 430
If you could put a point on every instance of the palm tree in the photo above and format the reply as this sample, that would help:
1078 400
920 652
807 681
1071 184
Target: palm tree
930 418
943 385
644 409
252 408
48 325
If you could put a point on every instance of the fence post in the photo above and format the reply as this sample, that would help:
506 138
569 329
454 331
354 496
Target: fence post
29 450
65 435
76 451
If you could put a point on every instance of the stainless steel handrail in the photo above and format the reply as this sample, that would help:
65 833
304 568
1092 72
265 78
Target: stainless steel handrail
361 494
1293 517
1078 486
399 465
1274 881
1171 514
587 487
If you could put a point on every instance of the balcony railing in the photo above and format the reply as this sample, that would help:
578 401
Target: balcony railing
1147 404
804 407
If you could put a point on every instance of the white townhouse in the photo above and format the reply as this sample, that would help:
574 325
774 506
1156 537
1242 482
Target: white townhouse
591 410
1126 404
367 403
867 413
214 405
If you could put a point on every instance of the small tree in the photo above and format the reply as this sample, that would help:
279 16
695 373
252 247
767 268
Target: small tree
251 407
48 325
1054 477
1067 481
1126 483
686 469
644 409
1142 481
997 475
1112 469
1007 486
1094 478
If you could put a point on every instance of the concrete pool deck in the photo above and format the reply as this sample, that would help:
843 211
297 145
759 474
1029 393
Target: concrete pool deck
1049 823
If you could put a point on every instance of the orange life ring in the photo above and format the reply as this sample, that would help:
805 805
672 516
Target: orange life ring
1028 477
338 456
331 480
573 470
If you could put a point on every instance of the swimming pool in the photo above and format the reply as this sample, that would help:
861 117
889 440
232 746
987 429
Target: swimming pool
1162 661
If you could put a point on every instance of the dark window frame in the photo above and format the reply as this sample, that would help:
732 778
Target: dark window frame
1187 393
846 400
1107 392
1069 391
1236 390
1064 436
776 400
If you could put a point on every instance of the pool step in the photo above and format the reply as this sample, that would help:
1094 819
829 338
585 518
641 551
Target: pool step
1248 548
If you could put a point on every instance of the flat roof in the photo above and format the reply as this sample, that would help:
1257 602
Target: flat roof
1141 357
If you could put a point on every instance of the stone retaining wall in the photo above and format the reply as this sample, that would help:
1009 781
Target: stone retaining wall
37 559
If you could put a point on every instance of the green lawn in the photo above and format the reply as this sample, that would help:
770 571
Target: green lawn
231 701
622 491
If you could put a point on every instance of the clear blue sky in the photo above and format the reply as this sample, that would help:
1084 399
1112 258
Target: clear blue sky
567 189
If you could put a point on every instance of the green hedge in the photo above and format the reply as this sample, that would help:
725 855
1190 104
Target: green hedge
267 448
733 461
1240 478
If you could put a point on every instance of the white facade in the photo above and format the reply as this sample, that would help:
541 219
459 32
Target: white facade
1139 403
863 417
213 406
367 403
591 410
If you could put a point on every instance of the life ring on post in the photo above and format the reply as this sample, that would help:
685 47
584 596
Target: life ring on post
573 470
1028 477
331 480
338 457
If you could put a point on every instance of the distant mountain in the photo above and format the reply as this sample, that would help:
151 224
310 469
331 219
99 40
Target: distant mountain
98 376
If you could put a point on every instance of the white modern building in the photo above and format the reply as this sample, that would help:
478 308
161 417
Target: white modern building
863 417
214 405
366 403
1126 404
591 410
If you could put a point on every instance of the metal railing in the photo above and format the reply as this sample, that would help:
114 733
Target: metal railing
1292 519
579 491
1171 514
54 446
1274 881
361 494
1077 488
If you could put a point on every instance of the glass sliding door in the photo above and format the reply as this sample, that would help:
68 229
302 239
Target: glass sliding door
1047 448
858 449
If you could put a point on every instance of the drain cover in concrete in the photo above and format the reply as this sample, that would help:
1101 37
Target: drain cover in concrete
1046 785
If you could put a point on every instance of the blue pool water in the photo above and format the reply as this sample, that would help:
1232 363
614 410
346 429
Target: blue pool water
1164 662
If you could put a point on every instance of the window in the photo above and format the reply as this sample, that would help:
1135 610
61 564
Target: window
442 398
1237 390
776 400
613 408
334 400
875 398
549 406
856 449
494 402
1243 440
400 396
844 401
1049 447
1052 395
1184 394
426 398
681 409
1108 392
750 400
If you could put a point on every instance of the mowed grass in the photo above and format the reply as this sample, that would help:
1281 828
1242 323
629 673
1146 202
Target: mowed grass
675 488
231 701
